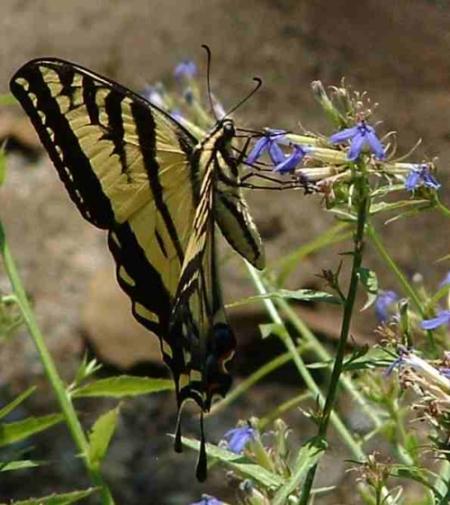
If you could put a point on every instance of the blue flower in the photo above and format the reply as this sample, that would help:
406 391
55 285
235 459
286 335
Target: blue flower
185 69
268 143
445 371
420 175
383 303
237 438
154 95
445 281
398 362
208 500
360 135
289 164
177 115
443 317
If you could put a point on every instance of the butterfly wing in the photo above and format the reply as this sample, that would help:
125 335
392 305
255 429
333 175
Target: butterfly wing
126 165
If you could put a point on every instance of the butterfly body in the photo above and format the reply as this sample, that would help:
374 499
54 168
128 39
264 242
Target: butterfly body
159 192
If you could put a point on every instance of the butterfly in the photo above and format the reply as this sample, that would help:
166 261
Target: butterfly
160 193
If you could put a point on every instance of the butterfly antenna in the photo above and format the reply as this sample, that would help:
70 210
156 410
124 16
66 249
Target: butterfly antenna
208 78
259 83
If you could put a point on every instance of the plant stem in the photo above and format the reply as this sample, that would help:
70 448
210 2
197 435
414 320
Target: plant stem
62 397
444 210
363 206
303 370
382 251
324 355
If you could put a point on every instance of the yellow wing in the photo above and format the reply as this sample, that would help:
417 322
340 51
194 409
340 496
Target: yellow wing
126 165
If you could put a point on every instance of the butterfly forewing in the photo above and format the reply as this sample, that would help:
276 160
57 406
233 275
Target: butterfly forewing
126 165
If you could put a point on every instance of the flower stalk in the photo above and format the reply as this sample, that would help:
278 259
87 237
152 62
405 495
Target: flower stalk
363 199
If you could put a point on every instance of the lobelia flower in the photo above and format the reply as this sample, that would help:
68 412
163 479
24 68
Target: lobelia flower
361 135
208 500
237 438
186 69
442 318
445 281
291 162
153 95
383 304
420 175
268 143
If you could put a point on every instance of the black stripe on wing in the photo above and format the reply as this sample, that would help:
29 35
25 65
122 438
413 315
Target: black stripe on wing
62 144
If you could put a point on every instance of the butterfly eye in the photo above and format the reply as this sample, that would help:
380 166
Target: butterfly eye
228 127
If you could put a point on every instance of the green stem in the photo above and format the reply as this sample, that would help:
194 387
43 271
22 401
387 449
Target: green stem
324 355
63 398
382 251
302 369
363 205
444 210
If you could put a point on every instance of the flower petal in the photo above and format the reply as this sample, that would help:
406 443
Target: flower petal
292 161
412 180
276 153
442 318
375 144
185 69
258 149
445 281
343 135
356 147
383 303
208 500
237 438
429 181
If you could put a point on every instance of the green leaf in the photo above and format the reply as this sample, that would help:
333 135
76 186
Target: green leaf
304 295
308 456
124 385
272 329
19 465
409 205
58 499
16 402
366 359
86 368
368 279
13 432
239 464
100 436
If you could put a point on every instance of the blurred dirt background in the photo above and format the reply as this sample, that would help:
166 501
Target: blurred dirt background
396 50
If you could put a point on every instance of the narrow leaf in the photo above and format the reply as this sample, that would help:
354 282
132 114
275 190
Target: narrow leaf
368 279
303 295
239 464
124 385
16 402
19 465
13 432
100 436
271 329
58 499
308 456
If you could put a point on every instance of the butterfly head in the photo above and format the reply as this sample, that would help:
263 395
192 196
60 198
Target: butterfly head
228 130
